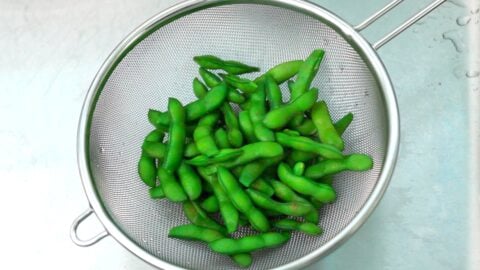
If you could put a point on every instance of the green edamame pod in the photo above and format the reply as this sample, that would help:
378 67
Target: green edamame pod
231 67
222 156
283 72
326 130
235 97
191 150
241 200
210 204
190 181
257 113
242 259
158 119
210 79
251 153
291 132
234 134
156 192
254 170
203 135
147 170
354 162
221 139
263 186
308 145
156 135
294 208
299 168
199 89
306 186
195 110
171 188
228 212
283 192
274 94
249 243
197 216
213 80
243 84
154 149
306 73
307 128
246 126
293 225
280 116
209 103
195 232
176 141
342 124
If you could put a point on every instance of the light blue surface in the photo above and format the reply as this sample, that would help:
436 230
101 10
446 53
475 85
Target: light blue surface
421 222
51 50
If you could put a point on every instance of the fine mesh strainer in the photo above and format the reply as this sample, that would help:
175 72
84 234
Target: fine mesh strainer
155 62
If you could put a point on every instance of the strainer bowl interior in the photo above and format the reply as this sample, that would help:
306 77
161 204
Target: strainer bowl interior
155 62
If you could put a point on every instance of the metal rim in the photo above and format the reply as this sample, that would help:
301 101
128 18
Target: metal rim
370 56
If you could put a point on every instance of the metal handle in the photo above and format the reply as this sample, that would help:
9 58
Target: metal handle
73 231
400 28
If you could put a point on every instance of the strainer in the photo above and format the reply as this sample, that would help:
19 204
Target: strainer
155 62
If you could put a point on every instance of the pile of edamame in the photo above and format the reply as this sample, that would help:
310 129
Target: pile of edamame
270 166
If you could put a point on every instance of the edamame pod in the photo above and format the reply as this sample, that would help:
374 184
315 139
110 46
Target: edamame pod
250 243
190 181
321 192
241 200
203 135
230 66
221 139
293 225
280 116
176 141
196 215
283 72
210 204
222 156
147 170
308 145
355 162
171 188
293 208
326 130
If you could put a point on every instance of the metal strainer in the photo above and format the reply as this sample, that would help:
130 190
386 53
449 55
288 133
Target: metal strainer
155 62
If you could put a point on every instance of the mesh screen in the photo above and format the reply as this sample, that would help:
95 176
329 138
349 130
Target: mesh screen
161 66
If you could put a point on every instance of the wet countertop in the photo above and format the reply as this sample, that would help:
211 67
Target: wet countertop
428 219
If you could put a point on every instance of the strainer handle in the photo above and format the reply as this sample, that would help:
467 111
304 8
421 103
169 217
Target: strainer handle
409 22
82 242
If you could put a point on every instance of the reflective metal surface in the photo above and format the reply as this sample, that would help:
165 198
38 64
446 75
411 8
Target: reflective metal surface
51 50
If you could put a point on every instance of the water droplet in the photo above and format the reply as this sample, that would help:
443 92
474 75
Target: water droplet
101 150
144 240
456 38
463 20
472 73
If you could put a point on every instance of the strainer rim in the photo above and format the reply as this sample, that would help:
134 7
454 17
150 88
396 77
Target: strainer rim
370 56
